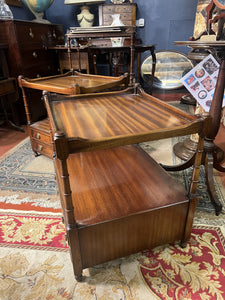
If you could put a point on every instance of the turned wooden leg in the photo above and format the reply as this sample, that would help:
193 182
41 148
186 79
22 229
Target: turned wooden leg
183 244
79 278
210 183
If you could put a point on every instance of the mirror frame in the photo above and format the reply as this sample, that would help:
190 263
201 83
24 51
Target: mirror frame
155 83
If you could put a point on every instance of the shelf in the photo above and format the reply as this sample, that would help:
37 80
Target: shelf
117 118
117 183
73 83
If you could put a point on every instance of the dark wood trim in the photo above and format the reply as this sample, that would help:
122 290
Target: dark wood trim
14 2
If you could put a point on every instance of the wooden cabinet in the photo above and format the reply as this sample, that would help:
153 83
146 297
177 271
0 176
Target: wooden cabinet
28 54
27 46
127 12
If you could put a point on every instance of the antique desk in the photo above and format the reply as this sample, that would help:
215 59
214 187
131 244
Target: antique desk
116 199
88 58
70 83
212 154
79 33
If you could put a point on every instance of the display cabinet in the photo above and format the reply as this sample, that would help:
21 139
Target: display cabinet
116 200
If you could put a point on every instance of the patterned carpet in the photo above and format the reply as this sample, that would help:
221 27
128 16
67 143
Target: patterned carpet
35 264
34 257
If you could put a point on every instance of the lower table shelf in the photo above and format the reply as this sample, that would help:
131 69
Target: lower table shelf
116 191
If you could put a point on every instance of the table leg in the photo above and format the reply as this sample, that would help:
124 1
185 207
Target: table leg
209 163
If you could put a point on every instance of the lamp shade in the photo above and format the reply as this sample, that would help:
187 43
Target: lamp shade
87 2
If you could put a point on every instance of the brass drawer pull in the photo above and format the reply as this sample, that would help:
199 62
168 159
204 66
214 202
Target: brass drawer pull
38 136
31 33
40 148
34 54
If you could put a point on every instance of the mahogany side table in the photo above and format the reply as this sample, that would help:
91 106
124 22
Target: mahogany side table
116 200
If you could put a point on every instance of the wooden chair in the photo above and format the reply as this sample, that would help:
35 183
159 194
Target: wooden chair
70 83
116 200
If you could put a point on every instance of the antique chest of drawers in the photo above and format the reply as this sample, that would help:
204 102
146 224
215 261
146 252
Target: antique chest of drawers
127 12
28 54
27 46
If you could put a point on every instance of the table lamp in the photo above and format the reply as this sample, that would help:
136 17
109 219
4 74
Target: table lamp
85 18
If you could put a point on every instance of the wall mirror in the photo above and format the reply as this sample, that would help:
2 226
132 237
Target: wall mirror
171 66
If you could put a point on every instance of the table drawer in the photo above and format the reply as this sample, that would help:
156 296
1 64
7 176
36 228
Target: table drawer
34 72
35 55
40 136
42 148
38 63
38 33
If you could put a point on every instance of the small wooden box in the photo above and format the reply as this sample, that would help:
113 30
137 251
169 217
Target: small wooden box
127 13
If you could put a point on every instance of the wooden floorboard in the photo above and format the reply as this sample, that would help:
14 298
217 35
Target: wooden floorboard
10 138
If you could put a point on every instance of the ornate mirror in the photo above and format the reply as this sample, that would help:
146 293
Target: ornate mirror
171 66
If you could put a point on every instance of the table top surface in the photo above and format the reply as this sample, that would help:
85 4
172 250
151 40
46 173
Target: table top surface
201 43
119 116
73 83
137 47
84 32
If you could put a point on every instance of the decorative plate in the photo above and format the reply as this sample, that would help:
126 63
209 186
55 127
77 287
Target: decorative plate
117 1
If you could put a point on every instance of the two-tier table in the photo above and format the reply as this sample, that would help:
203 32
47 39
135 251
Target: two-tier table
116 199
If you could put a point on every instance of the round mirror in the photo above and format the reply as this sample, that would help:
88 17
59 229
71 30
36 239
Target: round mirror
171 66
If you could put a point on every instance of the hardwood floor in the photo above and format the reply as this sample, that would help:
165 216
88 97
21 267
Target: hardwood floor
10 138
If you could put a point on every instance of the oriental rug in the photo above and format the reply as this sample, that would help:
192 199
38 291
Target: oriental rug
35 264
34 256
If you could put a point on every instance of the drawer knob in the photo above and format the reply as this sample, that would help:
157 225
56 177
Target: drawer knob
38 136
40 148
54 34
31 33
34 54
